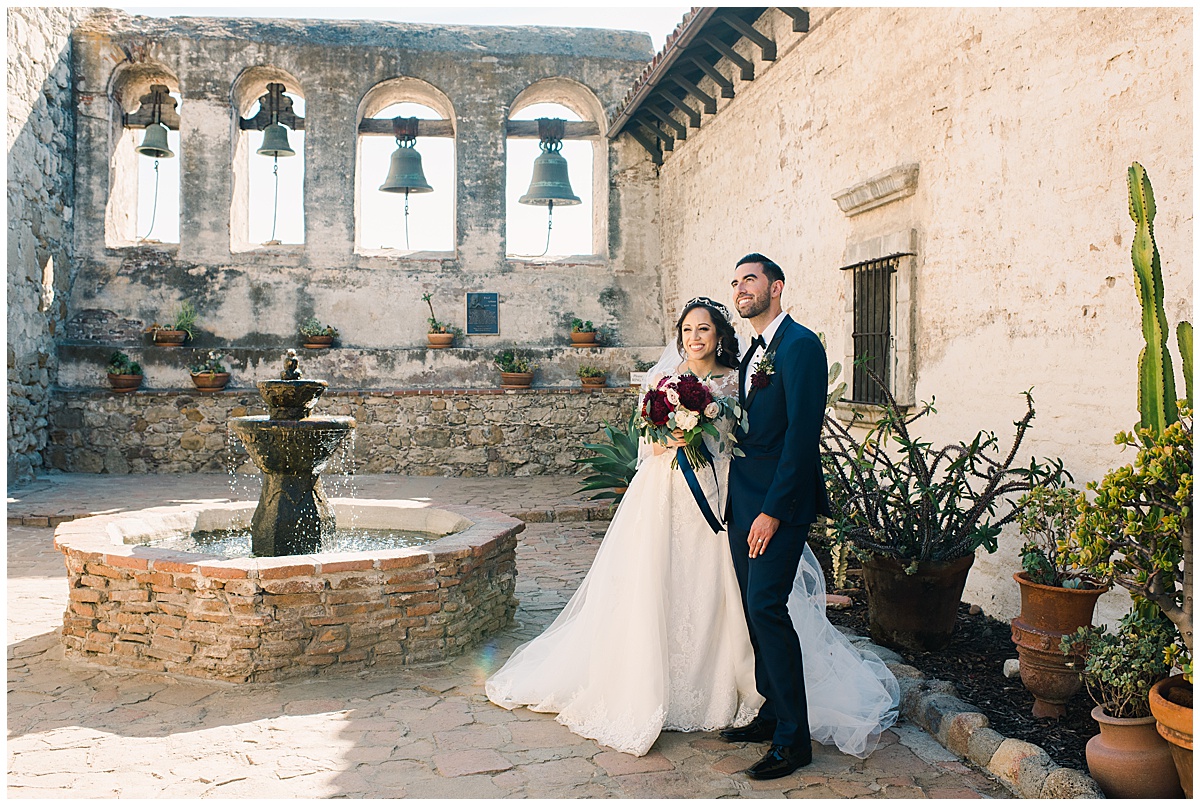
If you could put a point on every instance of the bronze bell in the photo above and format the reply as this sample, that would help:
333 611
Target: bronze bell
550 184
405 174
275 142
155 142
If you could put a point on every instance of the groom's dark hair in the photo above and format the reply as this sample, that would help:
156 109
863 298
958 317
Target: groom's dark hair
770 267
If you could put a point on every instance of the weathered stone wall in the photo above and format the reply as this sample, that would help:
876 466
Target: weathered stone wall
1022 123
256 298
41 139
484 432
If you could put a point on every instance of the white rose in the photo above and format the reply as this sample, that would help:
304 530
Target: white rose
712 410
686 419
672 396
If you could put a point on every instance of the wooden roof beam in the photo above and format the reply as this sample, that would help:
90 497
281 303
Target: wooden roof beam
680 128
692 115
647 143
799 19
764 42
747 66
710 103
716 75
668 142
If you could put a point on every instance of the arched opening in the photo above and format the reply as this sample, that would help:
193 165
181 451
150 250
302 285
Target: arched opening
268 188
538 231
381 226
146 151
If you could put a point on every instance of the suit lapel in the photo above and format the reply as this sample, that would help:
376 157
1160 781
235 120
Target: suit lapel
783 326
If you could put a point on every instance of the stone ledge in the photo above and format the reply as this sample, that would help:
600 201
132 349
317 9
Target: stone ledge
1025 769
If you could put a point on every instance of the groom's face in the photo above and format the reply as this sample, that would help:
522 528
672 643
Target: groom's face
751 290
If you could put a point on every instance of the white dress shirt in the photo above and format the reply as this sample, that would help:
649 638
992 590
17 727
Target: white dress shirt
767 335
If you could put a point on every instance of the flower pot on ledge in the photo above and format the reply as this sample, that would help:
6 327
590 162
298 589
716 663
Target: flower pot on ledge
124 383
165 337
516 380
1047 614
583 338
210 381
598 382
318 342
439 341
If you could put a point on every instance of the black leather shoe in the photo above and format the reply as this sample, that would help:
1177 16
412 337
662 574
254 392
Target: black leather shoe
758 730
780 761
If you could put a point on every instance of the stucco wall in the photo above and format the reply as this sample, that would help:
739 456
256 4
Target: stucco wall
40 144
1022 122
256 298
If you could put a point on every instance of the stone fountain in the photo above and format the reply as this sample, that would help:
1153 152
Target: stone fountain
298 605
291 447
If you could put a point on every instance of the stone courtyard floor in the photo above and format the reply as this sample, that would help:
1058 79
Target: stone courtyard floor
82 731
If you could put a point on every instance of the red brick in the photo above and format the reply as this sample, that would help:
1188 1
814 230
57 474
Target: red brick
422 609
411 587
186 583
102 570
348 565
409 561
416 575
242 587
92 581
292 599
285 571
93 644
350 596
129 596
83 609
86 595
167 621
294 586
222 572
170 566
355 609
126 561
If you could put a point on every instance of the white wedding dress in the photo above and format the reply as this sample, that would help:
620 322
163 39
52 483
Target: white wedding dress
655 637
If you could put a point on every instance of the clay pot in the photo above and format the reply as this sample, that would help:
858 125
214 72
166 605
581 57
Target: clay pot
169 338
210 381
914 612
1175 725
1048 613
594 383
516 380
1129 759
438 341
317 342
587 339
124 383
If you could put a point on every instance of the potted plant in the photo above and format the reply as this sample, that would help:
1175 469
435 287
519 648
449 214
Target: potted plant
179 331
1128 758
1171 705
637 376
516 371
315 335
210 375
614 464
583 333
591 377
124 374
1057 598
916 515
440 335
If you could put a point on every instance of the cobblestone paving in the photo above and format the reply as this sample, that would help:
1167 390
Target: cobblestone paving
81 731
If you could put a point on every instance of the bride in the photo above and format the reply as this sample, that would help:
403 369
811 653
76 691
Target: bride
655 637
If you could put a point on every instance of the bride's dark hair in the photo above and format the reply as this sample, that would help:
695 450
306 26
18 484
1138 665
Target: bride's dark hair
727 344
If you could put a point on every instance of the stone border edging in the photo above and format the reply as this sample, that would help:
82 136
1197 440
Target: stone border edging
1024 768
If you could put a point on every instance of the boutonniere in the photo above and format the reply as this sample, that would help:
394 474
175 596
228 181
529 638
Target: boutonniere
763 372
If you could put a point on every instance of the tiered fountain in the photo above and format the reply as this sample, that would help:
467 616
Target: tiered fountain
298 603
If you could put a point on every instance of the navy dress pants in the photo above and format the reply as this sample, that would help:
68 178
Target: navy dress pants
766 581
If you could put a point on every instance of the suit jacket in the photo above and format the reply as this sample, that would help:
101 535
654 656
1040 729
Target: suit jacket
780 473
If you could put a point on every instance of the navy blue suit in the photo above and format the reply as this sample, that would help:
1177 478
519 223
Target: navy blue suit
780 475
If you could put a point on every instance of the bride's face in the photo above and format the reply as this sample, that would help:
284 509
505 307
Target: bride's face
699 334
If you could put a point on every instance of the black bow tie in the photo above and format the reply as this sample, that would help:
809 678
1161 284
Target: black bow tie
758 342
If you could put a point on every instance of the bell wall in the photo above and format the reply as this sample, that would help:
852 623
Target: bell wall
1021 124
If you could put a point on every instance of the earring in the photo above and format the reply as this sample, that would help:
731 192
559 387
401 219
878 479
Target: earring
720 348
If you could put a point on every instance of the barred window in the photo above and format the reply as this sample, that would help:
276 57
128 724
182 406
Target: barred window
872 332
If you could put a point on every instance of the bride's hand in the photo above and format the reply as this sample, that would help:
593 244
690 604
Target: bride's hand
676 439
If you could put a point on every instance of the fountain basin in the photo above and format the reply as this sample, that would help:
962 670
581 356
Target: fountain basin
134 605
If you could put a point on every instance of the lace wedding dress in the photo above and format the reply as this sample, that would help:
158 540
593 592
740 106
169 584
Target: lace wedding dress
655 637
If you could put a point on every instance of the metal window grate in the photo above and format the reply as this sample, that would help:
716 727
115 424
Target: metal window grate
872 327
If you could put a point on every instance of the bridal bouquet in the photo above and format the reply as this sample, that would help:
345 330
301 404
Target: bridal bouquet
689 404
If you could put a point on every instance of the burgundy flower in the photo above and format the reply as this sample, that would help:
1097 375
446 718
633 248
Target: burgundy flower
759 380
692 393
656 408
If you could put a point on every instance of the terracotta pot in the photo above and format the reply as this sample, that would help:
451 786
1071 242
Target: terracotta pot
438 341
210 381
1129 759
317 342
515 380
124 383
1175 725
1048 613
914 612
169 338
594 383
587 339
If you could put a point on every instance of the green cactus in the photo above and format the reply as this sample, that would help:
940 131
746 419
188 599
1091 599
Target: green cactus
1183 333
1156 376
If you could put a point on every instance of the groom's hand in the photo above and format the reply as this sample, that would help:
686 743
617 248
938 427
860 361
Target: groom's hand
761 532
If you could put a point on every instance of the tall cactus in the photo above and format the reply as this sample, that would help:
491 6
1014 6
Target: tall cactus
1183 332
1156 376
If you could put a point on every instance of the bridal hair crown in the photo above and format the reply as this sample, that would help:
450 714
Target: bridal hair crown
708 303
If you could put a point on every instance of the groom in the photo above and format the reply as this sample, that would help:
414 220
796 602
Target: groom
776 492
